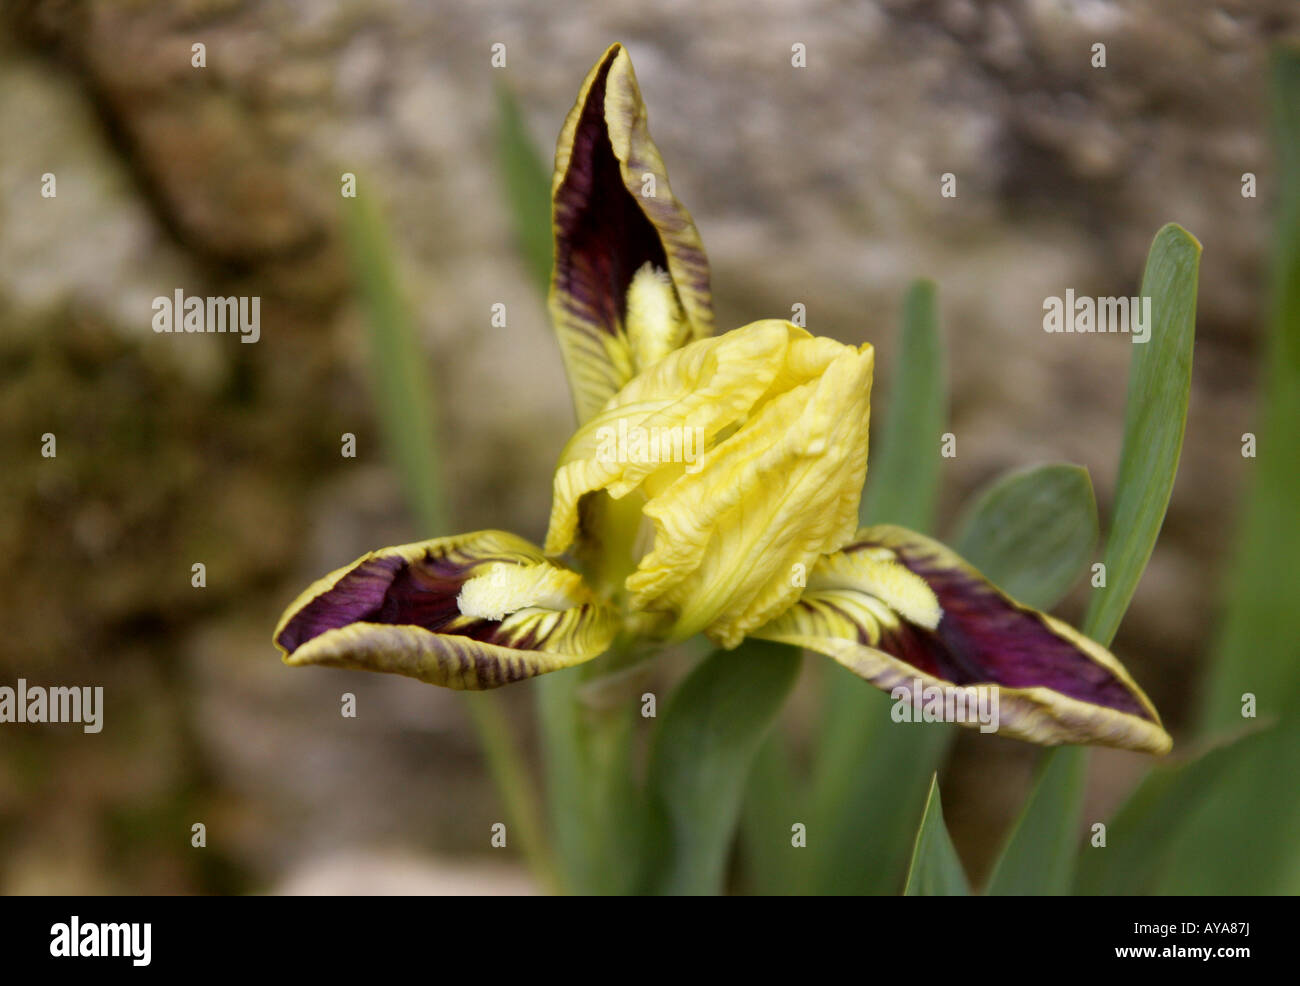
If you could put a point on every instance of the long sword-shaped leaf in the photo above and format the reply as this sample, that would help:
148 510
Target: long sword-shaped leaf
402 390
903 475
574 814
1155 417
526 179
703 749
563 764
936 871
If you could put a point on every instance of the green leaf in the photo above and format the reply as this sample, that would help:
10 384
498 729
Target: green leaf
704 747
936 871
903 476
870 774
1256 809
1241 839
1140 838
526 179
1038 858
1032 532
402 389
867 793
1155 418
773 864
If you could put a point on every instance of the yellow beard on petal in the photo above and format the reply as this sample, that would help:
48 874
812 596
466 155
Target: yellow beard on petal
655 322
505 588
878 574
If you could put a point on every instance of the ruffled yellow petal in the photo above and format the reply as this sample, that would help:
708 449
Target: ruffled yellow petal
768 502
692 396
782 418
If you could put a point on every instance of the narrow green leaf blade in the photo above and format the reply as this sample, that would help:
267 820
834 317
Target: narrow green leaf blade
575 815
526 184
936 870
704 747
1155 418
903 476
1038 858
1032 531
402 390
526 180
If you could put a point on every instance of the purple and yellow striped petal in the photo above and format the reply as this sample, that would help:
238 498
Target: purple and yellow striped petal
903 611
617 221
469 612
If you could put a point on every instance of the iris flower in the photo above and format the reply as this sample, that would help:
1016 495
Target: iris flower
711 487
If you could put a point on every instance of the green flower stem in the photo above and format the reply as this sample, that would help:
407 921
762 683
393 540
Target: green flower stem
706 741
562 767
591 788
513 784
614 804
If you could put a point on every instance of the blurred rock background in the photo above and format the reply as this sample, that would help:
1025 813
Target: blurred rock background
817 185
